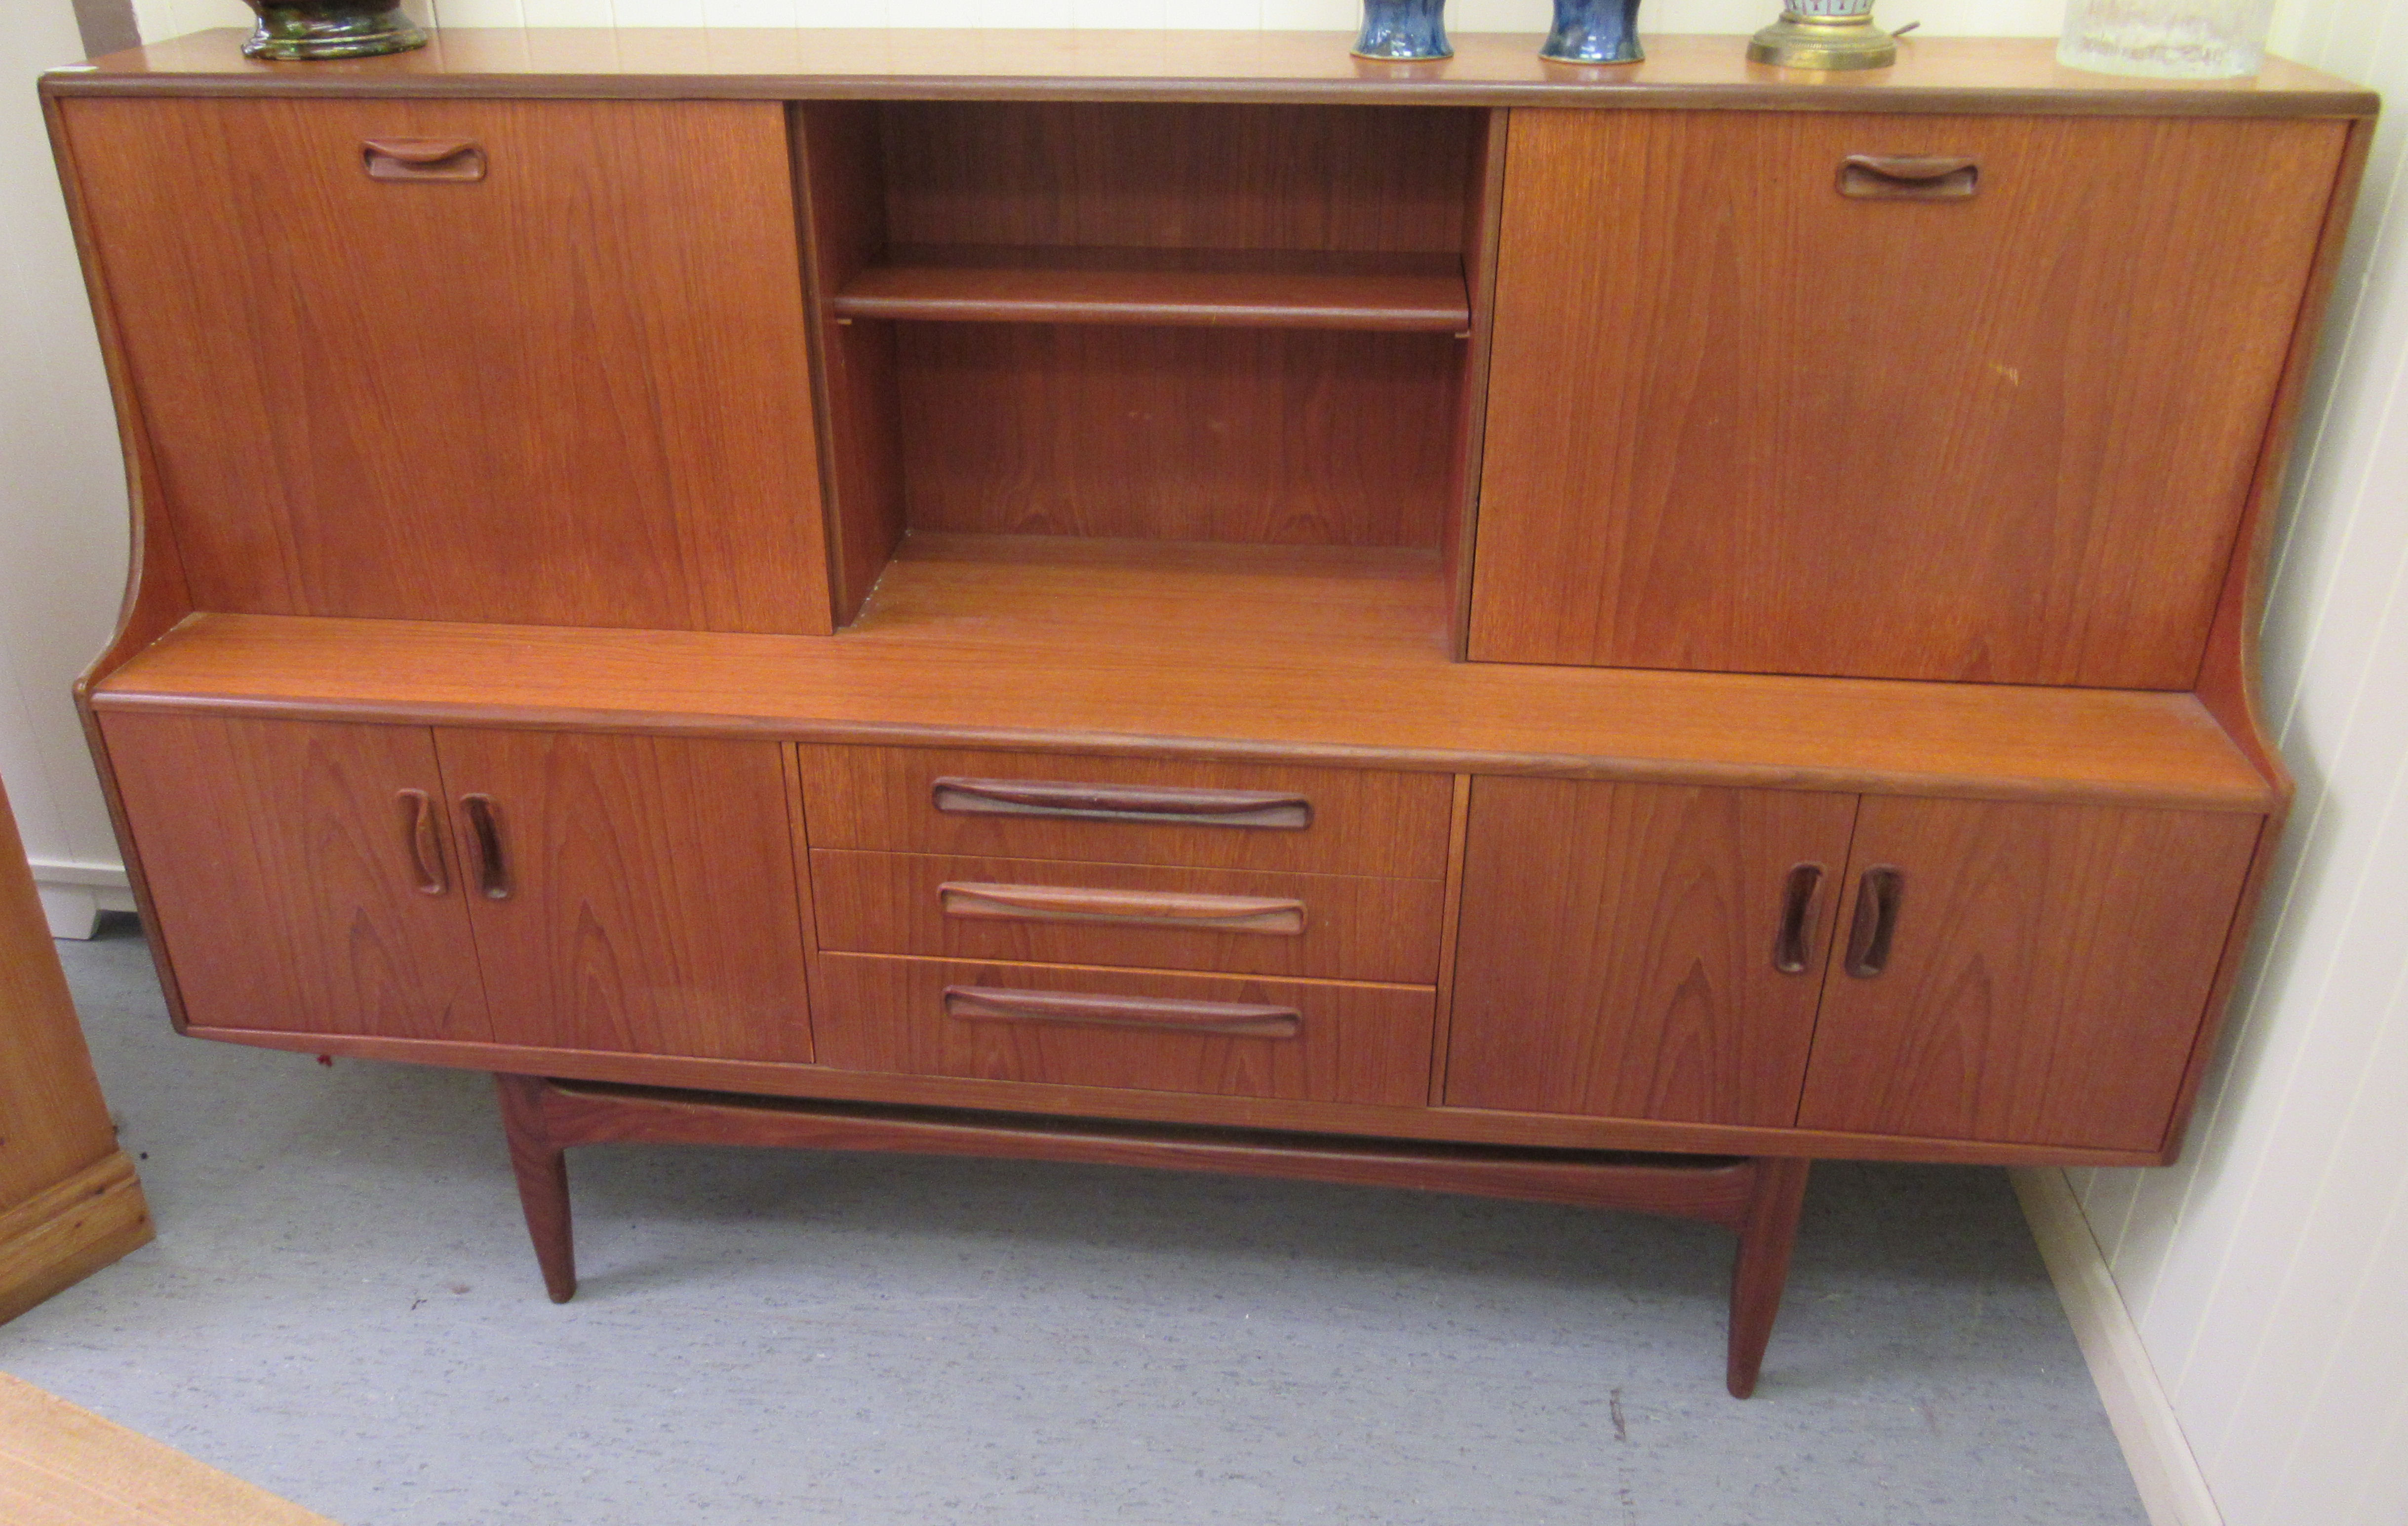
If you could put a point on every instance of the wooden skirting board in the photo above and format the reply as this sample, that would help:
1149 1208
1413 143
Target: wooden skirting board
2172 1490
59 1237
64 1466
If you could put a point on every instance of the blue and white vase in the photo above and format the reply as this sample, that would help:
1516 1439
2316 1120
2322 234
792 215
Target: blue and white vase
1403 29
1594 32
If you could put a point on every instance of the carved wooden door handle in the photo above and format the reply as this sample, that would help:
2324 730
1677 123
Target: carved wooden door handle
485 845
1218 1019
1878 897
1796 935
420 831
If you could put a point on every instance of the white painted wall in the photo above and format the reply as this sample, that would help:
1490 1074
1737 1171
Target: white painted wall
62 493
2268 1273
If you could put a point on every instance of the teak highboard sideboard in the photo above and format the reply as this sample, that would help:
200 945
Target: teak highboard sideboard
1594 635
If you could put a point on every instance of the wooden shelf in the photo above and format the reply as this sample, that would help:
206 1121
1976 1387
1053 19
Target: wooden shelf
1252 287
1968 74
1174 649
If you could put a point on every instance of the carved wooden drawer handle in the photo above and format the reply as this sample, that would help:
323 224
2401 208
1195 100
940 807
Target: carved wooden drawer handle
1122 803
1121 908
423 158
420 830
1878 897
1887 176
1217 1019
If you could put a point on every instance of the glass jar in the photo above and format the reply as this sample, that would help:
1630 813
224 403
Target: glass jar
2171 40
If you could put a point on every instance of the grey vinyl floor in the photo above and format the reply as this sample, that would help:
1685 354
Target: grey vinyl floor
341 1306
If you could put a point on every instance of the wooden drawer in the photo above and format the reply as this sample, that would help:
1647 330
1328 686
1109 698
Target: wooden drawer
1132 810
1293 1040
1337 926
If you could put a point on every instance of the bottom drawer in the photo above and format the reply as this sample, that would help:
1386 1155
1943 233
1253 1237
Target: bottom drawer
1297 1040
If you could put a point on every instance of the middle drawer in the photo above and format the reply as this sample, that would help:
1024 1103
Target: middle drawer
1343 927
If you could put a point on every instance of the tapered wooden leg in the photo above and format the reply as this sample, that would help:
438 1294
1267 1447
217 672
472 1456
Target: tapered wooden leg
542 1170
1762 1267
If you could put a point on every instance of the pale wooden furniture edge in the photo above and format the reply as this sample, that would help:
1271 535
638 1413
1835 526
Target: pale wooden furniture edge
69 1203
58 1238
77 1469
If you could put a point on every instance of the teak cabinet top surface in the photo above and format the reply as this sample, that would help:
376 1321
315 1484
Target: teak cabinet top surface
1932 74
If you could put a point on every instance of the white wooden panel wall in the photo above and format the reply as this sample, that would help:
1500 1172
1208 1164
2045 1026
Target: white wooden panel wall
2268 1273
62 490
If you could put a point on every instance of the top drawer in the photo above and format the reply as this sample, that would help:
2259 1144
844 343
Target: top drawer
1128 811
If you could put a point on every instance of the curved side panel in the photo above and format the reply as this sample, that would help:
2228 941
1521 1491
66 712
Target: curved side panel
2229 677
156 596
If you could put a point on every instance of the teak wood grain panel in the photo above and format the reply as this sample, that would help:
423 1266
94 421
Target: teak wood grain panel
1617 957
2048 973
651 905
1353 1043
1345 926
1167 175
1782 430
1074 650
1288 435
573 392
278 859
1363 822
1932 74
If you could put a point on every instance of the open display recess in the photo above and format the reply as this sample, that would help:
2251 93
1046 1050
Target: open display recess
1201 604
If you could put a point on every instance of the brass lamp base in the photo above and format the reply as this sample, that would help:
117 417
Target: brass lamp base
1823 42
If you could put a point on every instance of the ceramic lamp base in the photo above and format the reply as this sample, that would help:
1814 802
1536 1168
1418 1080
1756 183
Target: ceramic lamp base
306 29
1823 42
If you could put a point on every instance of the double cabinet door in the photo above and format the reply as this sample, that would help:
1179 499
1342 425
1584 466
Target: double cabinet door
1933 969
1938 969
630 894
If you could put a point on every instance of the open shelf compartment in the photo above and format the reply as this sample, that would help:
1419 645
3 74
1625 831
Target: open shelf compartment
1253 327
